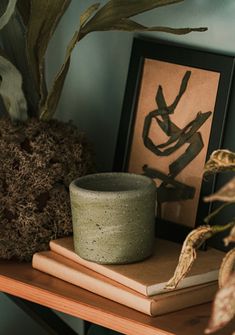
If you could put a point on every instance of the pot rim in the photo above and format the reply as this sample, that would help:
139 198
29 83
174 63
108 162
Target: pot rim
143 184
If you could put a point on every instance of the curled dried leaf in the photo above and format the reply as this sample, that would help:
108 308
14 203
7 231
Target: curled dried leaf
11 90
4 19
219 161
226 193
188 253
231 237
227 267
223 306
15 31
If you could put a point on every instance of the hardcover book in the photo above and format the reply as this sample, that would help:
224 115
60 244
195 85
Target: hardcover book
150 276
75 273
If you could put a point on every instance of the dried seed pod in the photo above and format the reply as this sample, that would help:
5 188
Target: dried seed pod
223 307
220 160
188 253
226 193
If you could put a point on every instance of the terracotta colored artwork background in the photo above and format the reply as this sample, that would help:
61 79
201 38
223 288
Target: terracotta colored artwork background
200 95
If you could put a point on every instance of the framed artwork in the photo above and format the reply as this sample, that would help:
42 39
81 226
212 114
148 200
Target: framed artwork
173 118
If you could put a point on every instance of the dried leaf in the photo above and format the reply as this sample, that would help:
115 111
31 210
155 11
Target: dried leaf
53 97
4 19
15 51
227 267
11 89
226 193
114 16
219 161
176 31
88 13
44 17
223 306
231 237
188 253
130 25
116 10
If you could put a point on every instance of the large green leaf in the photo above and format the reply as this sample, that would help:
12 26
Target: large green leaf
11 89
43 20
4 19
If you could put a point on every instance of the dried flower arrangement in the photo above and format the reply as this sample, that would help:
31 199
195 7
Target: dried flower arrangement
40 156
224 303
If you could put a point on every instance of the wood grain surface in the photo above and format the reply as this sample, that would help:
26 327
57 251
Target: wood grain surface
19 279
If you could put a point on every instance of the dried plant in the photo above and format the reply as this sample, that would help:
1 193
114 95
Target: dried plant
40 156
220 161
31 23
188 254
224 306
38 161
224 303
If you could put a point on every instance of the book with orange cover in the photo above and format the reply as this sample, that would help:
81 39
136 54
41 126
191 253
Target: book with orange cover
74 273
150 276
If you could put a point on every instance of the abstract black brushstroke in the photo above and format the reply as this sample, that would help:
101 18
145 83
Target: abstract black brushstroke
170 189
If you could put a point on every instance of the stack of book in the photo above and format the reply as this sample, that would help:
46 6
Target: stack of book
139 285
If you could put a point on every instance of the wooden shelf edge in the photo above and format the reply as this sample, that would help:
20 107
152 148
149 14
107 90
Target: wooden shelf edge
75 308
23 281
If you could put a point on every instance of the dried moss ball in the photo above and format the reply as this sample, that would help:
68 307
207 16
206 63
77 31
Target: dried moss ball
38 160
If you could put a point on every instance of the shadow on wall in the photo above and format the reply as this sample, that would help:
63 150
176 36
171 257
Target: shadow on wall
15 321
98 330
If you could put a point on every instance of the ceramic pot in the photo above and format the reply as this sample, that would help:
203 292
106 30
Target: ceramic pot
113 217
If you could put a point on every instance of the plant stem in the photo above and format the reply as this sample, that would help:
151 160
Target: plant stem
215 212
218 228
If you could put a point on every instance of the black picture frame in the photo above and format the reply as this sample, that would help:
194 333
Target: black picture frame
143 49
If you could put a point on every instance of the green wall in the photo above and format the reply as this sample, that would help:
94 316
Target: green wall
95 86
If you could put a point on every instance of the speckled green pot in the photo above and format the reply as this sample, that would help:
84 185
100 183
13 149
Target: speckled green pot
113 217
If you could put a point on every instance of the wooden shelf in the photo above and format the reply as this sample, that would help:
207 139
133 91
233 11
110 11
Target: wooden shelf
19 279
